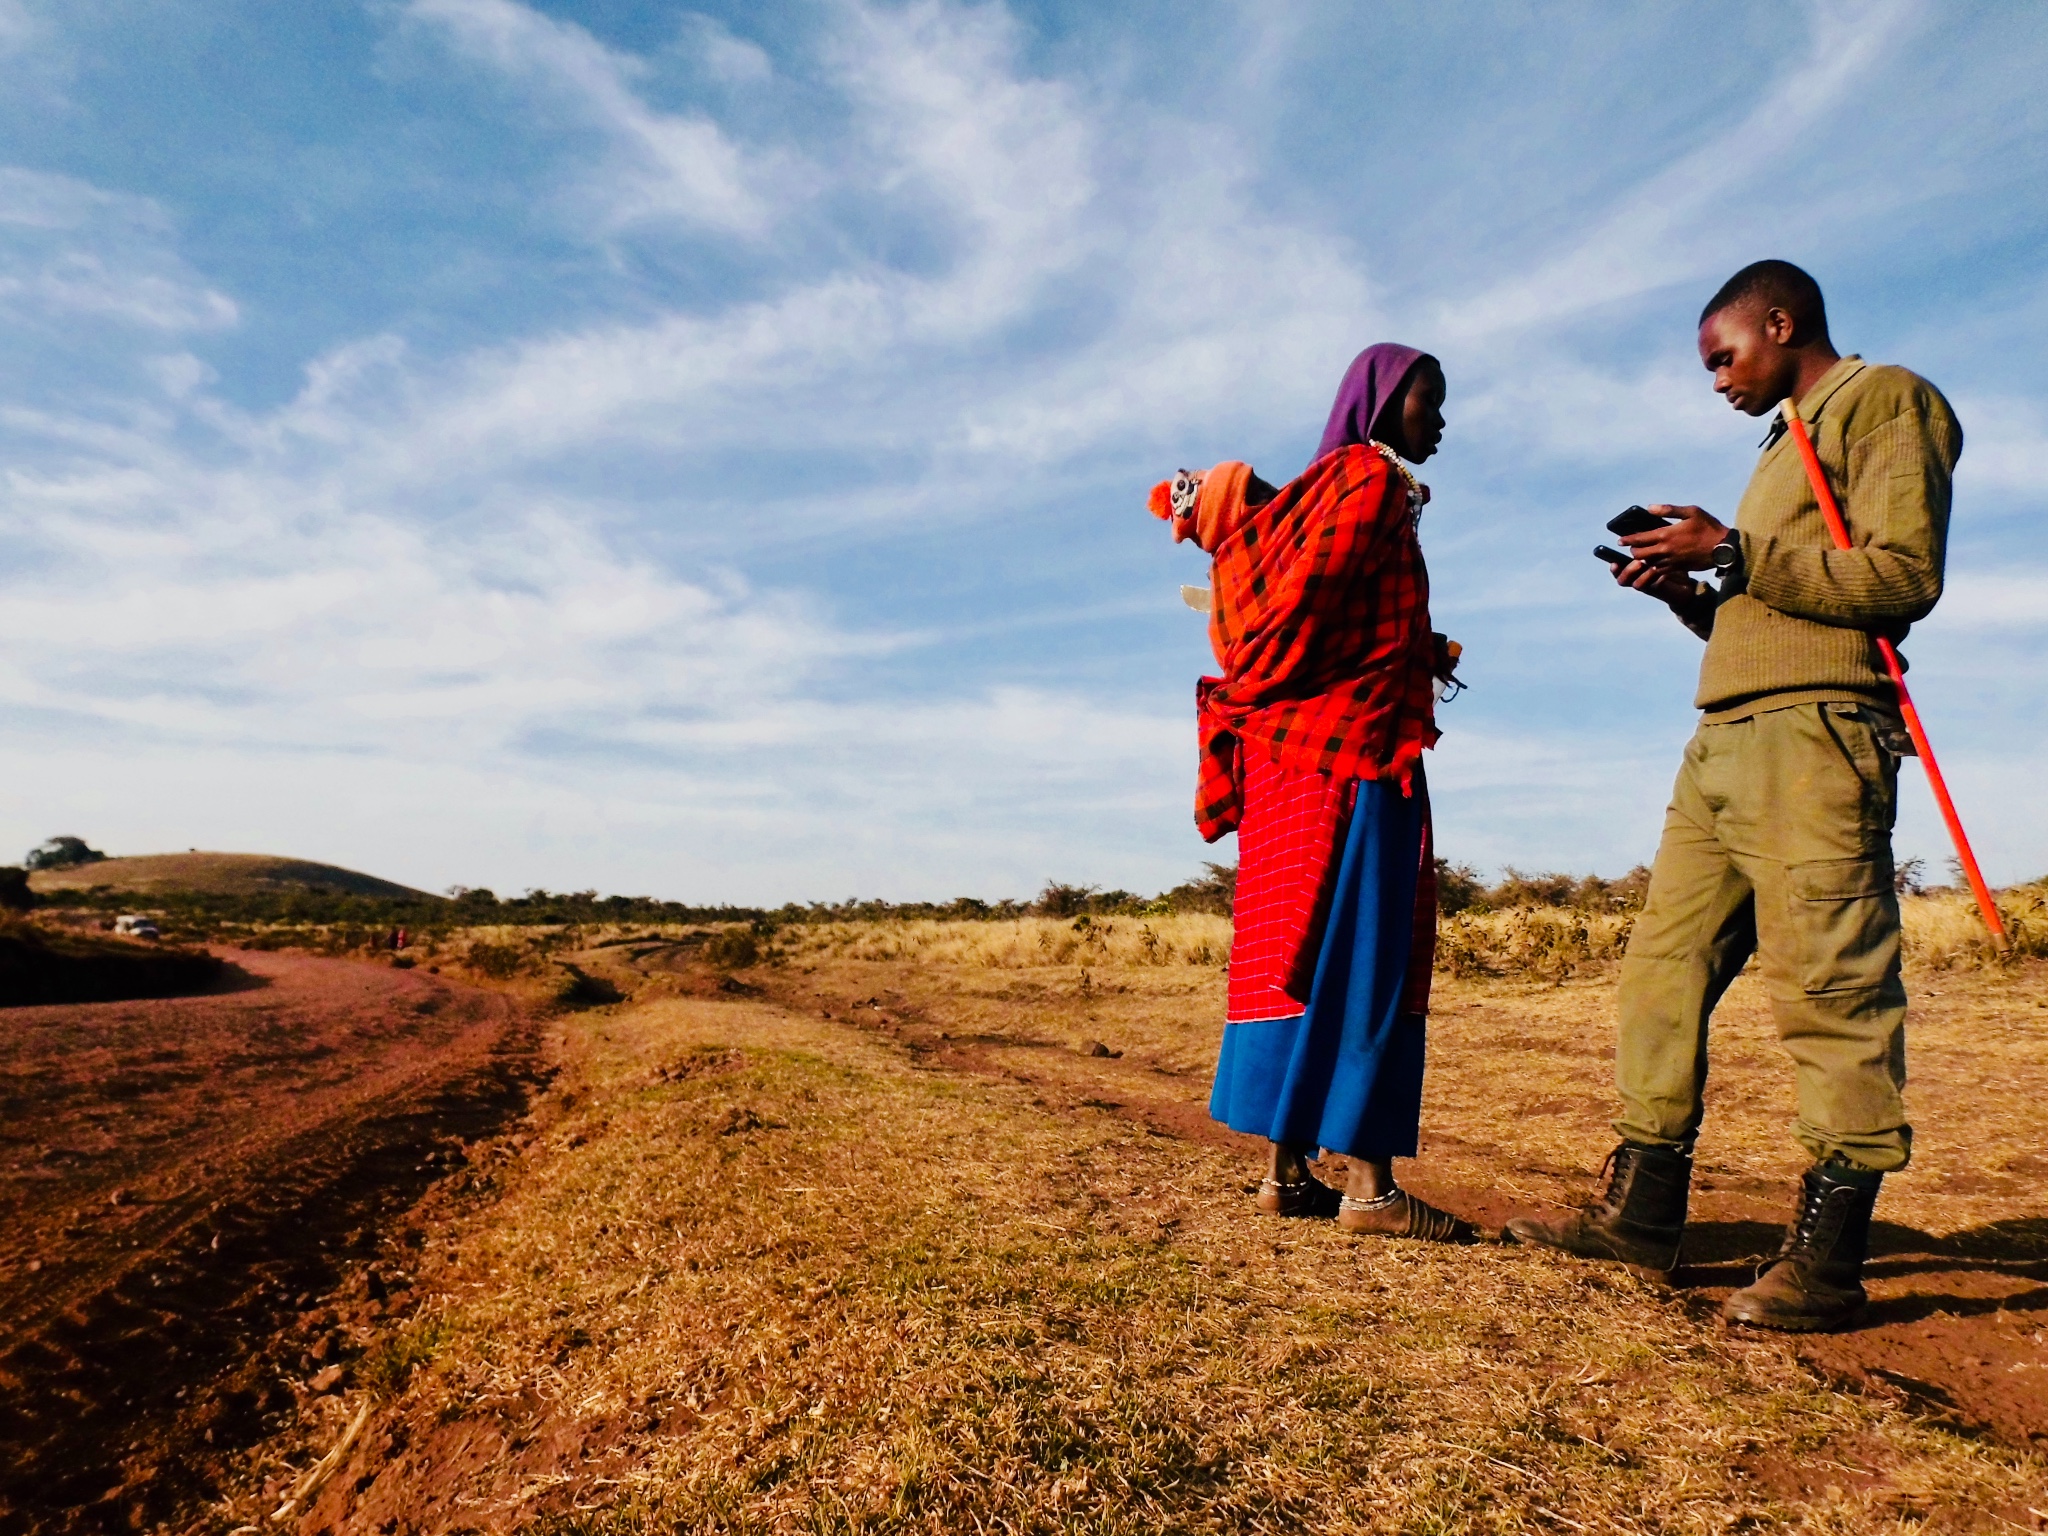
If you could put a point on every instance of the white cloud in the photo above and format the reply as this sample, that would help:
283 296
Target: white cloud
1207 305
1011 789
17 27
665 165
2005 599
1679 223
1569 412
70 248
731 59
2005 445
278 603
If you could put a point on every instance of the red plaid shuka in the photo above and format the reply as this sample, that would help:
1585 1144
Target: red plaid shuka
1288 845
1295 825
1319 612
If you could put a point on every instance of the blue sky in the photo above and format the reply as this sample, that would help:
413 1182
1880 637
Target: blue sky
703 452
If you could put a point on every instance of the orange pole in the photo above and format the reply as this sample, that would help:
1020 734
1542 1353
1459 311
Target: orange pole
1840 529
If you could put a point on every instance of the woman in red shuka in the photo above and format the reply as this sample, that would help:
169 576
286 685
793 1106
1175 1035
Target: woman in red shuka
1312 746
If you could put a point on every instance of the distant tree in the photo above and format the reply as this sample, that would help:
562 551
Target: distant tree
1215 891
1118 901
1458 887
1519 888
1058 900
15 896
63 853
1910 878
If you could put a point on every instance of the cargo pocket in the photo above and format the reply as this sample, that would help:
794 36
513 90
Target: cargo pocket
1847 919
1858 733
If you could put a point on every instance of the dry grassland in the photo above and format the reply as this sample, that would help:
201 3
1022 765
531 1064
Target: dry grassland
882 1242
1942 931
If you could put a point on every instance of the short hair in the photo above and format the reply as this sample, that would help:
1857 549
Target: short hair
1778 284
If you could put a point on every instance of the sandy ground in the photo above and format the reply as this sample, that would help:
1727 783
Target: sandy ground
178 1176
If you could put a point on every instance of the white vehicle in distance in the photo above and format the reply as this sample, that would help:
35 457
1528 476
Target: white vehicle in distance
136 927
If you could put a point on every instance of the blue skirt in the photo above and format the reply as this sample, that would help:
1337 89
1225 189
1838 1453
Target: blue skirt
1346 1074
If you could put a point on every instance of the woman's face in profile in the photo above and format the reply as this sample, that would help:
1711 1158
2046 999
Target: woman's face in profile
1412 423
1422 414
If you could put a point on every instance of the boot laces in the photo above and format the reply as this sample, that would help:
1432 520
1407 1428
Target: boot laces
1620 1164
1822 1211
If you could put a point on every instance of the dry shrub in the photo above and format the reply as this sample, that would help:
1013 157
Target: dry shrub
500 962
1945 931
732 949
1544 943
1942 931
1189 938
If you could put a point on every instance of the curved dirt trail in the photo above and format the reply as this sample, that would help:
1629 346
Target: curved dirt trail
179 1177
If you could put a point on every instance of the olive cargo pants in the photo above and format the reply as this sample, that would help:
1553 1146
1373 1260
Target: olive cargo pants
1778 843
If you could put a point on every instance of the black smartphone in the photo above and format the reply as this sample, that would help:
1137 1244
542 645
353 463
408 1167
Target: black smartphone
1613 557
1635 520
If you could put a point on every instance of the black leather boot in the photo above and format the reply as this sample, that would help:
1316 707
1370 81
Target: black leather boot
1816 1281
1639 1221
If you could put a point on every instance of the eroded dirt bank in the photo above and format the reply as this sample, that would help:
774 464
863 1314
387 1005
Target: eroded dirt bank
181 1178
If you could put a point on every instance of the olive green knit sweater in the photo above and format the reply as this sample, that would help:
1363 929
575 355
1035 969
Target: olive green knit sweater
1797 627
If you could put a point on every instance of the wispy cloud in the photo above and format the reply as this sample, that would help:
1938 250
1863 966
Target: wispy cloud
1688 218
662 165
2005 444
69 248
17 27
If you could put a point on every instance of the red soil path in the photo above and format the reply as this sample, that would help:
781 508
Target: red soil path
179 1176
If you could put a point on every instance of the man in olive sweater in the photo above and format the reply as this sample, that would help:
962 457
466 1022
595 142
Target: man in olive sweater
1778 839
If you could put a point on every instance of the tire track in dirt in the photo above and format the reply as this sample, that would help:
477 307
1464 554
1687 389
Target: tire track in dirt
180 1178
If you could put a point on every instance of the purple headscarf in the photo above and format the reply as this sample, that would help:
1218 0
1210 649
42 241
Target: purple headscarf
1369 383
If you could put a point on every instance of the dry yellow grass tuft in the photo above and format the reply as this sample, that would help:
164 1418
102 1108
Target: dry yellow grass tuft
1944 930
1008 944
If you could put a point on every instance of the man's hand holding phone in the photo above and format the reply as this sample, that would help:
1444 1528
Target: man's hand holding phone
1663 543
1680 539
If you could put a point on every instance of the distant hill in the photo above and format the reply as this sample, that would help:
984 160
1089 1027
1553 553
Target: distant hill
216 874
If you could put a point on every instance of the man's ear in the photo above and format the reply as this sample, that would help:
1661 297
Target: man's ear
1780 326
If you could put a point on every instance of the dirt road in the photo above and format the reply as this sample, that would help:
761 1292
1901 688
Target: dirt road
179 1177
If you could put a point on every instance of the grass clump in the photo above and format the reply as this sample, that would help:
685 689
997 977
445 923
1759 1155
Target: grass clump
386 1369
732 949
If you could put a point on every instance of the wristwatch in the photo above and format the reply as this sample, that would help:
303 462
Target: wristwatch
1727 555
